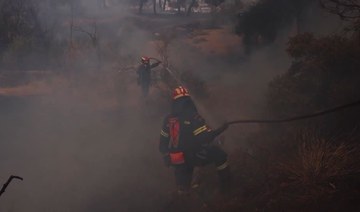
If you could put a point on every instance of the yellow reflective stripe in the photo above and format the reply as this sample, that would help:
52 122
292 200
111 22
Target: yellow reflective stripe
223 166
200 130
180 95
164 133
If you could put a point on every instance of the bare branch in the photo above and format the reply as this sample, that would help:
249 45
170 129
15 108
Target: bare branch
345 9
92 35
8 182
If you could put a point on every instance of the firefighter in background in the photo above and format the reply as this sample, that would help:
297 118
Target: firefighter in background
186 142
144 73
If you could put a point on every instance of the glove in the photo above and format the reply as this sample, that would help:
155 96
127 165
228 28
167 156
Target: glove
167 160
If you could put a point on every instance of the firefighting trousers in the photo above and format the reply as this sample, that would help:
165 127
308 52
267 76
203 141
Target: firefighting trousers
145 88
144 81
209 155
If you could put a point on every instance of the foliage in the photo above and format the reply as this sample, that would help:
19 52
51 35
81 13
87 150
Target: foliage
348 10
27 38
315 168
267 17
320 172
22 36
214 2
321 162
324 73
18 19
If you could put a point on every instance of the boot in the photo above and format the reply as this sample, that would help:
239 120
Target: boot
225 180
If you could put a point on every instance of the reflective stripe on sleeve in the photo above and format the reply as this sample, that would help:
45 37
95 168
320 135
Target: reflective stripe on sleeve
223 166
164 133
200 130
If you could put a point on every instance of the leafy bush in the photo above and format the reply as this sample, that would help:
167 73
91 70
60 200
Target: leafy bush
324 74
261 23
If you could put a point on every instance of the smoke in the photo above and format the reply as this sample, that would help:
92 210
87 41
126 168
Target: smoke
71 159
90 143
85 145
237 84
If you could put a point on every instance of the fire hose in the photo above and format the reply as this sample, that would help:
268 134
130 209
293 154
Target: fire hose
8 182
296 118
284 120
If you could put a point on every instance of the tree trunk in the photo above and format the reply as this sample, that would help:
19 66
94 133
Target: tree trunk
179 6
154 6
71 25
164 5
141 4
190 7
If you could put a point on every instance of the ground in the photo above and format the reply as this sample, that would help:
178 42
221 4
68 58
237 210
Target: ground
91 145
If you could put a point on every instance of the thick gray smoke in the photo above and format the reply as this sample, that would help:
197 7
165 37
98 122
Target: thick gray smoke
90 142
85 145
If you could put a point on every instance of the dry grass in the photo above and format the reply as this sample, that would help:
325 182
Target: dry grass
320 172
319 161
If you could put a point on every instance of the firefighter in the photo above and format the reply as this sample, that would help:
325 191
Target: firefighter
186 142
144 74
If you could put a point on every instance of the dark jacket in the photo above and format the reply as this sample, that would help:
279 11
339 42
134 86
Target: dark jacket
144 72
184 130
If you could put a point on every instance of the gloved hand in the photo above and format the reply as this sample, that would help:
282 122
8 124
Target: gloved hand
167 160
